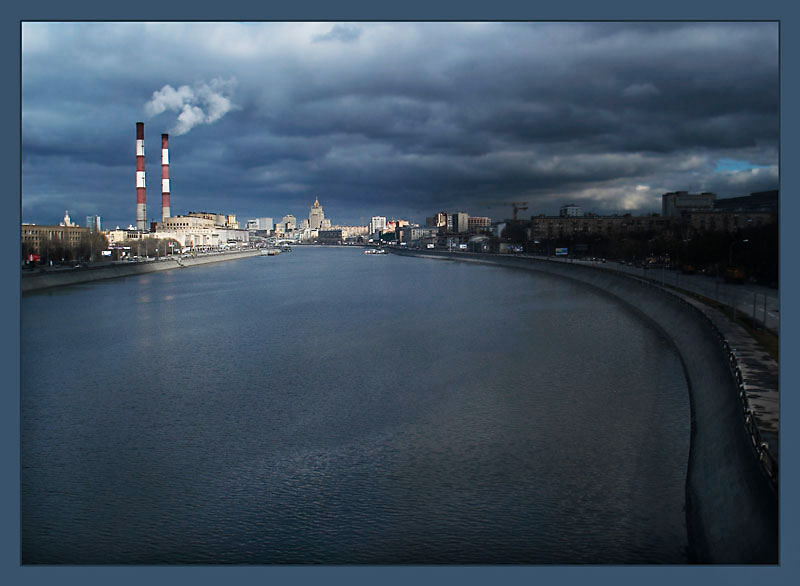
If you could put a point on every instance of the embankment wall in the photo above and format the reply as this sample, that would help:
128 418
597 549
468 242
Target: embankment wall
49 279
732 509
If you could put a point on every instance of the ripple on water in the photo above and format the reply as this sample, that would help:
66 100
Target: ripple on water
277 413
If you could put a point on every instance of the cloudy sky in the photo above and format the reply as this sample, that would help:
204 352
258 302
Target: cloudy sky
395 119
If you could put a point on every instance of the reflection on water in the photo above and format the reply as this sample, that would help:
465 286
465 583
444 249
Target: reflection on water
334 407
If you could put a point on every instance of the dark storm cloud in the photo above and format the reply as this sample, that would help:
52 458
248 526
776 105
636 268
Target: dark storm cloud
339 32
396 118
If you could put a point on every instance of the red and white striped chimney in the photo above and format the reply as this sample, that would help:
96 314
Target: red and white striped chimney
164 177
141 198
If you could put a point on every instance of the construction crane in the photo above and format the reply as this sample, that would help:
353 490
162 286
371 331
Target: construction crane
518 206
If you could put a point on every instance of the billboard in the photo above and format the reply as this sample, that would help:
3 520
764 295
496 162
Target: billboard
561 252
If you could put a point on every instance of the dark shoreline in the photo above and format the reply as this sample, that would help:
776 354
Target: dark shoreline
732 502
60 278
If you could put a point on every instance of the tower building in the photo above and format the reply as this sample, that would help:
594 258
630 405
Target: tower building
141 198
165 212
315 215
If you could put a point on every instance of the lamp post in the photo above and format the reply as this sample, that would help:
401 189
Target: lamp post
730 250
730 265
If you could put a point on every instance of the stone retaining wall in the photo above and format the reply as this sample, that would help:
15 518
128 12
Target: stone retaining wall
48 279
732 504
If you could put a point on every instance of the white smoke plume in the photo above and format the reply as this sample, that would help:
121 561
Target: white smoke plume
203 103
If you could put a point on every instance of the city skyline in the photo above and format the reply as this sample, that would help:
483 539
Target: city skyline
596 383
396 119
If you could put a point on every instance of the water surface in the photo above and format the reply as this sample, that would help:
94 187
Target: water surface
326 406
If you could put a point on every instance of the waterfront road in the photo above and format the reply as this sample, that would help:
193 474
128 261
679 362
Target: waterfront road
762 304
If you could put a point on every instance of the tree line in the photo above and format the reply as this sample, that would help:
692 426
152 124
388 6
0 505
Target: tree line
752 250
59 251
152 246
89 249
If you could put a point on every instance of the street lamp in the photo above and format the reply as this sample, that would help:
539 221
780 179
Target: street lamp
730 250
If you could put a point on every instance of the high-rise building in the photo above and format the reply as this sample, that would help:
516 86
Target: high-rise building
438 221
571 211
460 222
676 202
315 215
289 222
477 224
260 224
66 221
377 223
94 223
761 201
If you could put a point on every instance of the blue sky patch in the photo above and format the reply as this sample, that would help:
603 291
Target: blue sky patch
734 165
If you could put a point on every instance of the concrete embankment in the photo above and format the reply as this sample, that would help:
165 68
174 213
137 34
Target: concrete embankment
732 502
59 278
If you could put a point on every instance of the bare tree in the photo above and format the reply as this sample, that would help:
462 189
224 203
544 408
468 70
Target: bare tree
91 245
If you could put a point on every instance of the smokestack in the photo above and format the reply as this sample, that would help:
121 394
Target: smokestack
164 177
141 202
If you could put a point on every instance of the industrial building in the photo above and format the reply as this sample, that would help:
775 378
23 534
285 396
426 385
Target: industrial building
193 229
141 189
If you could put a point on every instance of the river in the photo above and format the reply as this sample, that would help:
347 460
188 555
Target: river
329 407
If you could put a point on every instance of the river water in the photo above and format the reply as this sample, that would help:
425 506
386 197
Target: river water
331 407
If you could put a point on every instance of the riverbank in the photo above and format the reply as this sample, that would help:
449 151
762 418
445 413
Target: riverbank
58 278
732 497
